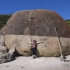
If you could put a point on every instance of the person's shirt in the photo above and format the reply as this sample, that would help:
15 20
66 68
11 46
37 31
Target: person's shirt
34 45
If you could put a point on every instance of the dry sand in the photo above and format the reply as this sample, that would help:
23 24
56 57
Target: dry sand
41 63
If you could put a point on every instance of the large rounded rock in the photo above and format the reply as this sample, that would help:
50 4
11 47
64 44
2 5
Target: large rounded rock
20 41
41 25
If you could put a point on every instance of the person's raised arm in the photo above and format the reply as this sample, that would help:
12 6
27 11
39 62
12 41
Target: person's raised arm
39 42
29 42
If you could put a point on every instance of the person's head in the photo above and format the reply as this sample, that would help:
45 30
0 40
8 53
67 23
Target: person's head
34 41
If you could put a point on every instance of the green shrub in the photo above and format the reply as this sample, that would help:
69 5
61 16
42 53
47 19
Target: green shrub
3 19
67 21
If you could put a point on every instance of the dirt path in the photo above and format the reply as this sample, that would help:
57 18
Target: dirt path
42 63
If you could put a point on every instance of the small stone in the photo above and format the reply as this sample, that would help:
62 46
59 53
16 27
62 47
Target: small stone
7 66
21 67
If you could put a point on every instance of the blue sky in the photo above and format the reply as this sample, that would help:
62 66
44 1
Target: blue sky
62 7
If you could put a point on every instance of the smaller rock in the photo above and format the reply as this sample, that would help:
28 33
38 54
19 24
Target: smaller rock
8 56
21 67
7 66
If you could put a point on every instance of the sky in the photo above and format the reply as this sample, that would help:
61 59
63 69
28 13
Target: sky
62 7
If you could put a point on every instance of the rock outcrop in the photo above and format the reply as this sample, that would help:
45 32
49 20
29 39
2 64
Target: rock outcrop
7 56
41 25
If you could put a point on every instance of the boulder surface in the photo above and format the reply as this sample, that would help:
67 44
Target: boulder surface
7 56
41 25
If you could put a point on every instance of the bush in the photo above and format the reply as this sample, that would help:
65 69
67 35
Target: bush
68 21
3 19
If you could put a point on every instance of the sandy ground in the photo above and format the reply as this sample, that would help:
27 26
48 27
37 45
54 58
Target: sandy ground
41 63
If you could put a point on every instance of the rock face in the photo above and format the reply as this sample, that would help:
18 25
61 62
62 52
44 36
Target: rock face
7 56
41 25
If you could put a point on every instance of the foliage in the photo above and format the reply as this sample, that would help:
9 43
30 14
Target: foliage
68 21
3 19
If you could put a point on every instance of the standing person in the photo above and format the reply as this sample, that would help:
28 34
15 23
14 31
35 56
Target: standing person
34 47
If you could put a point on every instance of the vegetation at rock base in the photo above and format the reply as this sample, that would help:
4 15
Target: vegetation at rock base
4 18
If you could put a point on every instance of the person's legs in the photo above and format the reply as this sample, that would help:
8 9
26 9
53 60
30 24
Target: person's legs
34 52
